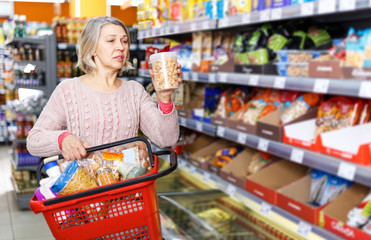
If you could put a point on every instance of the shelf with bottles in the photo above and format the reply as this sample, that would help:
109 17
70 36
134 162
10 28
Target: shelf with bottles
23 198
67 64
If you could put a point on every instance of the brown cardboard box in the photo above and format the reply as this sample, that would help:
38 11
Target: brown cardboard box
325 69
236 171
226 67
269 127
207 153
233 123
295 199
187 109
356 73
334 216
199 143
267 181
218 121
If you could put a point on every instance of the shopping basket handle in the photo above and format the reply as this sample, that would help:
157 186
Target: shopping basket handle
172 167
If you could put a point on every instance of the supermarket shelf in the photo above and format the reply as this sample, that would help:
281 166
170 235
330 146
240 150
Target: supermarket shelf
41 88
345 87
30 40
144 73
20 140
66 46
286 220
41 64
199 126
15 165
22 199
336 166
174 29
311 9
141 80
143 46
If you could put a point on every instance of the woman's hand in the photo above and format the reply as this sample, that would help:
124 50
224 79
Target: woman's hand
73 148
165 95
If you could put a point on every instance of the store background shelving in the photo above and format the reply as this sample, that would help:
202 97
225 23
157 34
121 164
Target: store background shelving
339 11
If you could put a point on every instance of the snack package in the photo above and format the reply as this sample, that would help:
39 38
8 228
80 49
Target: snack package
334 187
317 186
259 160
73 179
359 215
366 113
299 107
225 155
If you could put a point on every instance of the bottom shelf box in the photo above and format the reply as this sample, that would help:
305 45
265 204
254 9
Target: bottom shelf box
267 181
334 216
294 198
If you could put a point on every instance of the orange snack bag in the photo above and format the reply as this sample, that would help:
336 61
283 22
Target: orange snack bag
349 113
110 156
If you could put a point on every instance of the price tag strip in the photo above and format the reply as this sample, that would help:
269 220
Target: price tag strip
347 5
304 229
279 82
199 126
297 155
321 85
253 80
265 208
365 89
263 145
241 138
276 14
307 9
220 131
347 171
326 6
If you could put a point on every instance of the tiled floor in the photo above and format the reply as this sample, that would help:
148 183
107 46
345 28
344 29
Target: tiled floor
17 224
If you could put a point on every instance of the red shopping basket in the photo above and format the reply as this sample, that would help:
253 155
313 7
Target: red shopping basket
124 210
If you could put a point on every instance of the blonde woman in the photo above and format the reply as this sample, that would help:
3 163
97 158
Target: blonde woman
98 107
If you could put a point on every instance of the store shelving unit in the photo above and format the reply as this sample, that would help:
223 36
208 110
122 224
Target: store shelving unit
299 228
48 64
345 87
341 168
325 10
311 9
23 199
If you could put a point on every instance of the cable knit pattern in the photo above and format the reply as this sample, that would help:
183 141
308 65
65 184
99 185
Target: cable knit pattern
99 117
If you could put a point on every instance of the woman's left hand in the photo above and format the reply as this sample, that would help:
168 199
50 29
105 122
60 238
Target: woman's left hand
165 95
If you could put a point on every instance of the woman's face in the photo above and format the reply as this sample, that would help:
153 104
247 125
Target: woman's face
112 48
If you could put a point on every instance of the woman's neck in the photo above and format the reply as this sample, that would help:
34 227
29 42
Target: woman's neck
101 81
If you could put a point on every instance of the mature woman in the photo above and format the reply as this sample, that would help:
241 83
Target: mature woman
98 107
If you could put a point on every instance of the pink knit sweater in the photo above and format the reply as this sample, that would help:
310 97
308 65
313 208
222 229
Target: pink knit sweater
99 118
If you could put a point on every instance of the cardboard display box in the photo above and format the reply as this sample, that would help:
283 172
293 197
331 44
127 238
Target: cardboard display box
269 127
226 67
207 153
269 68
325 69
295 199
334 216
267 181
352 143
233 123
199 143
356 73
301 134
187 110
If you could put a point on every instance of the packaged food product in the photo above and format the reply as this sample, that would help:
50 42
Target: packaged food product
104 176
360 214
73 179
299 107
366 113
164 67
259 160
292 69
297 56
217 219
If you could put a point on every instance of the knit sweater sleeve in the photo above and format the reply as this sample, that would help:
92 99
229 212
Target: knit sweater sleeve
43 138
162 129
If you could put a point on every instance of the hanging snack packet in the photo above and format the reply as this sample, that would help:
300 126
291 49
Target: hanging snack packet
73 179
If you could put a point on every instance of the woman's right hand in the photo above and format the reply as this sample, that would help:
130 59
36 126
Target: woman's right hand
73 148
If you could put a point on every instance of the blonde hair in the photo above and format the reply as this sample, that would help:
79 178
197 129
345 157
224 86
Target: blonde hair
88 42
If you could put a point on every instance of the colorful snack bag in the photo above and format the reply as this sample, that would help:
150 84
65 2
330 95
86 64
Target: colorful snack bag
348 113
299 107
326 116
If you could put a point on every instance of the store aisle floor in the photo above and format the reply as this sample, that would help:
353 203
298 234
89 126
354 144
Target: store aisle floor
17 224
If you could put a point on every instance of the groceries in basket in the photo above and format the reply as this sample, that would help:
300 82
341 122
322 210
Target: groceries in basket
99 168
